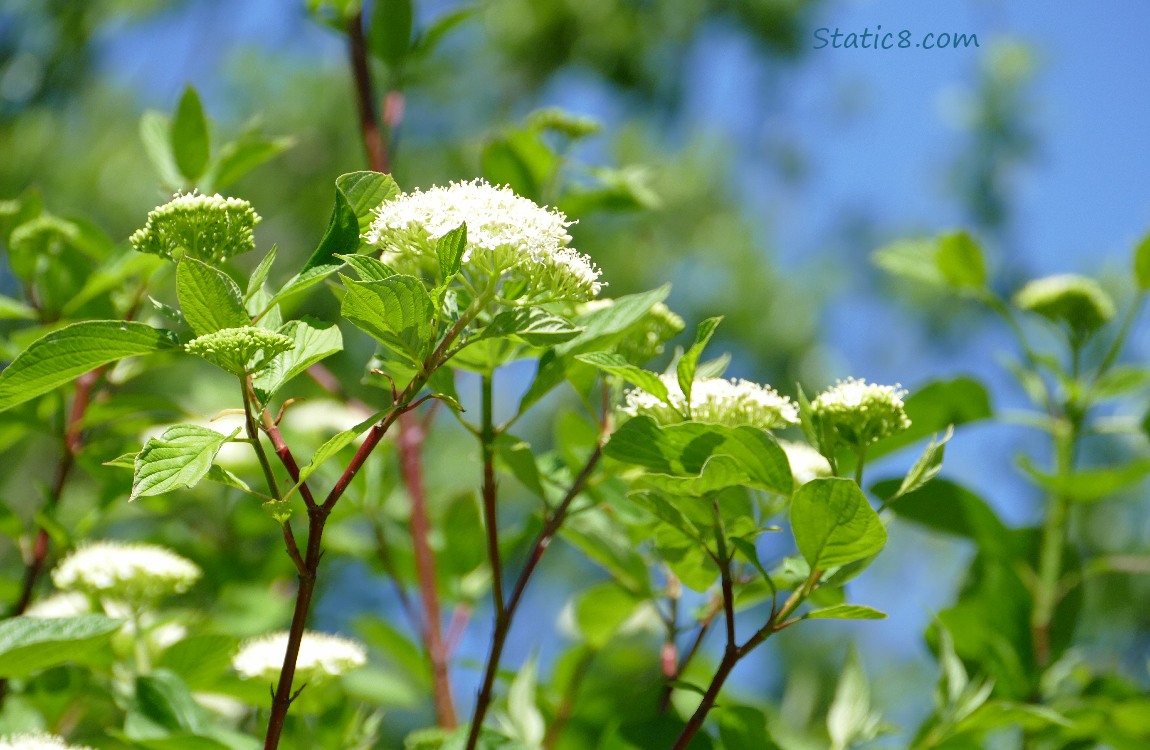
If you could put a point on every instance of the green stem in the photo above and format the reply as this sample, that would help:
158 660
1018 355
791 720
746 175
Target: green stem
1120 340
254 437
859 466
1053 543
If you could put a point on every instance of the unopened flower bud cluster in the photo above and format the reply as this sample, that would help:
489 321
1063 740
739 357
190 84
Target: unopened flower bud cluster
207 227
240 350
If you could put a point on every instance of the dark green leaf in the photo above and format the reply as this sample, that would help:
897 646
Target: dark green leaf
164 699
949 508
189 137
530 325
29 644
450 248
66 353
612 320
935 407
390 33
209 299
834 524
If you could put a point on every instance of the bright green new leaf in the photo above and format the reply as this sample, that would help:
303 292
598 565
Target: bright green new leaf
334 445
12 309
165 700
851 719
180 457
685 369
260 273
368 268
1142 264
29 645
530 325
524 717
719 472
156 135
834 524
911 259
927 466
601 610
397 312
599 325
312 344
189 136
960 260
613 364
67 353
239 157
1120 381
845 612
449 249
684 450
209 299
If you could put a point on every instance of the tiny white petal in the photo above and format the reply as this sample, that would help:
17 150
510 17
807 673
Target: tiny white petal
320 656
728 402
37 742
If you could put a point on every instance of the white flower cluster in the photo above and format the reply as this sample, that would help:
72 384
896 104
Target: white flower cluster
806 462
37 742
209 227
862 413
320 656
129 572
507 235
717 400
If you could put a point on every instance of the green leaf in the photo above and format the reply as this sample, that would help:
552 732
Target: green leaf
927 466
1120 381
685 370
189 136
685 449
356 195
834 524
368 268
390 33
164 699
911 259
11 309
180 457
334 445
29 645
450 248
960 260
850 719
935 407
397 312
525 720
67 353
613 364
601 610
260 274
1089 485
312 344
743 728
845 612
1142 264
209 299
613 320
156 134
237 158
748 551
949 508
531 325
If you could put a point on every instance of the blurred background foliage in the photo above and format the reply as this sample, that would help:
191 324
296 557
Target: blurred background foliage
754 173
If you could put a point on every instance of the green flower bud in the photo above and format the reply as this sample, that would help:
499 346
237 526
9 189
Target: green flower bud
240 350
209 228
861 413
1077 301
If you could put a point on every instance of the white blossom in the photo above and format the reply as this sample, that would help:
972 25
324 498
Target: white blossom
320 656
507 236
37 742
862 413
130 572
718 400
64 604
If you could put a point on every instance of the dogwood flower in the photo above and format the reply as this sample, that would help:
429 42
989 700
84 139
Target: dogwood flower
208 227
508 237
240 350
862 413
717 400
130 572
321 656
